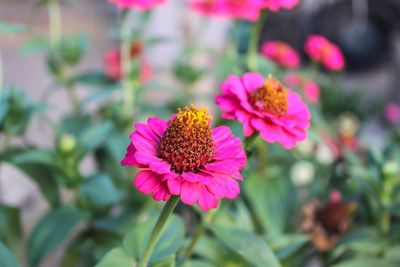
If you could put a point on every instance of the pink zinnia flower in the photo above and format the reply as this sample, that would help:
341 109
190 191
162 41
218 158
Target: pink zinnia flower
322 50
231 9
276 5
113 64
142 5
392 112
281 53
185 157
310 88
265 105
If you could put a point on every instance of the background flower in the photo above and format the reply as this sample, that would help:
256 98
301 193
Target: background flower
276 5
310 88
281 53
139 4
113 64
266 106
392 112
322 50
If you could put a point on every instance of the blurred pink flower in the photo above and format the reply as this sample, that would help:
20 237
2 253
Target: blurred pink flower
185 157
142 5
276 5
281 53
231 9
392 112
322 50
265 105
113 65
310 88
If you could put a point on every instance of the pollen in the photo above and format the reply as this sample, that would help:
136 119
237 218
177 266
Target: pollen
271 98
187 143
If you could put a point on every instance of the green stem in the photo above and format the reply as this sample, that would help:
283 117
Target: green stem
199 232
128 88
73 98
249 141
155 235
252 52
55 22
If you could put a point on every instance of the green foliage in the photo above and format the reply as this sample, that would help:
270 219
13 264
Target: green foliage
6 258
51 231
10 228
16 110
248 245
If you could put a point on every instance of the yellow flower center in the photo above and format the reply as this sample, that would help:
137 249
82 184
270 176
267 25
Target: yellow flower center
271 98
187 143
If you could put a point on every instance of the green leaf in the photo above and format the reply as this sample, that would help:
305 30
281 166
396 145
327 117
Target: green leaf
36 44
8 28
365 262
287 245
36 164
169 243
51 231
248 245
117 258
198 263
6 258
10 227
393 254
94 136
271 199
168 262
100 191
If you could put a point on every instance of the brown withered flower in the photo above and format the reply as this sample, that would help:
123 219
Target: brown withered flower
327 222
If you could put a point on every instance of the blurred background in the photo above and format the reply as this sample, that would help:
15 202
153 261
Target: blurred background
367 31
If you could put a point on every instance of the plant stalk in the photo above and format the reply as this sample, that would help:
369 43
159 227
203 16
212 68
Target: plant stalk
199 233
55 23
252 52
158 228
128 88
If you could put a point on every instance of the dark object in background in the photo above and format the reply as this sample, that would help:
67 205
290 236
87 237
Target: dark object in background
362 28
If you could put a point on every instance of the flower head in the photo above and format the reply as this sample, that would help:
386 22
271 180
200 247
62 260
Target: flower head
113 64
392 112
327 222
281 53
322 50
185 156
141 5
266 106
276 5
231 9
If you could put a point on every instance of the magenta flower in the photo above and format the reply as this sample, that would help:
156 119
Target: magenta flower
266 106
231 9
322 50
281 53
113 64
392 112
141 5
276 5
185 157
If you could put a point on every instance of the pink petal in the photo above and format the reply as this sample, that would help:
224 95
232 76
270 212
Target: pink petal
143 144
145 131
252 81
161 193
206 200
146 181
189 193
157 125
